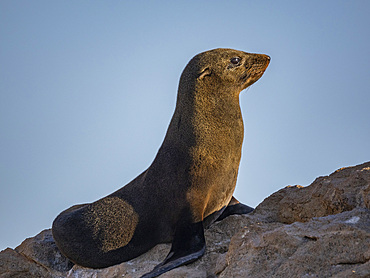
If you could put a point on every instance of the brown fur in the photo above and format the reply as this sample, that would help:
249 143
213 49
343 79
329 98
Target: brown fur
193 175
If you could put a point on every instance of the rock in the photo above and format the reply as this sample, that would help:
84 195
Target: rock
43 249
343 190
335 245
15 265
322 230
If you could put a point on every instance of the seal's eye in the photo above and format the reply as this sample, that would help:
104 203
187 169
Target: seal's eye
235 60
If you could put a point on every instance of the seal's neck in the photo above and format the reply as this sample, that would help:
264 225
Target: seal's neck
210 117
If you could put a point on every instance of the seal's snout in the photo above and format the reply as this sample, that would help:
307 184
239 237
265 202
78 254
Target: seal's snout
255 66
265 58
262 61
268 59
257 59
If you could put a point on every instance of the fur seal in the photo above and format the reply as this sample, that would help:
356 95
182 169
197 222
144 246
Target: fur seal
188 186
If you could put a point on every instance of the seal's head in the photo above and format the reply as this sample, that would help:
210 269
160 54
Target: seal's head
226 70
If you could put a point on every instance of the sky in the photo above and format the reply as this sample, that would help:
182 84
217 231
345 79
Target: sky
88 88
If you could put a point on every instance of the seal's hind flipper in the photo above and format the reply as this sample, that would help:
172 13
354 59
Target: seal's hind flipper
188 245
235 207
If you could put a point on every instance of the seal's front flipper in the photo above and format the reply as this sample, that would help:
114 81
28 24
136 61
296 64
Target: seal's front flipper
234 207
188 245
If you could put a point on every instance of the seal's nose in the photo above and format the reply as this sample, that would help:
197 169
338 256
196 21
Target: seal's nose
268 59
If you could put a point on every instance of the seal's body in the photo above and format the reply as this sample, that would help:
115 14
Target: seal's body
190 182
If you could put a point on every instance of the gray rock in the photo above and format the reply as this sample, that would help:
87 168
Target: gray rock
343 190
322 230
332 246
44 251
15 265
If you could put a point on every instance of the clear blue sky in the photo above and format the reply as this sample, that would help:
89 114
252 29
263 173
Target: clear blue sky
88 89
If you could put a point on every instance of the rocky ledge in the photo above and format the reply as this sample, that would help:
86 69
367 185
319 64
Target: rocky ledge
322 230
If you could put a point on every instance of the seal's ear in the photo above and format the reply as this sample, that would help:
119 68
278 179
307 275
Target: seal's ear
204 72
